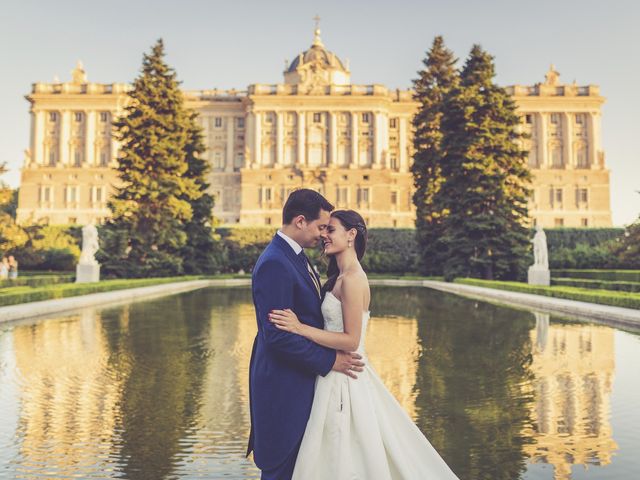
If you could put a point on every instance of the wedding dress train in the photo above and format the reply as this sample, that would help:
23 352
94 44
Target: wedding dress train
358 431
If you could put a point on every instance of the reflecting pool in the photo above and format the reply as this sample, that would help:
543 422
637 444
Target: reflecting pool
158 389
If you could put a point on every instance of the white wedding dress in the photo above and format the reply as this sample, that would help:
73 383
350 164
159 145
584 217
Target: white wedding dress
358 431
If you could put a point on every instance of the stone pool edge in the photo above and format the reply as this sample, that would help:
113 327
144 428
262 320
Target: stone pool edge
61 305
592 311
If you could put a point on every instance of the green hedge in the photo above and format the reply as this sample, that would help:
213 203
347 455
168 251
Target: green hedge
603 297
572 237
37 280
606 275
597 284
25 294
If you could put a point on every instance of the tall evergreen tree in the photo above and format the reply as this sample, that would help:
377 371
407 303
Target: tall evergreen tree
434 82
200 253
145 234
486 179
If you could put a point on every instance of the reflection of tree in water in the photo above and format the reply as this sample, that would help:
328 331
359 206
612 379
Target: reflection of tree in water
471 401
161 347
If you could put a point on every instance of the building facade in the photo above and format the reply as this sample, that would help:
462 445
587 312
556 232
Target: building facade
352 143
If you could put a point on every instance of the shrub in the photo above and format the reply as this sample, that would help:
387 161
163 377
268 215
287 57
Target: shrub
603 297
597 284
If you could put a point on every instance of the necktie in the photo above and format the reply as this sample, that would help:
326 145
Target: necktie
304 259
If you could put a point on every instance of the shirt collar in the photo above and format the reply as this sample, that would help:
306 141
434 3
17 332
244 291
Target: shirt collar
292 243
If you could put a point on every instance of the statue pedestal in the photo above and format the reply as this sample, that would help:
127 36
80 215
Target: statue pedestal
87 273
539 276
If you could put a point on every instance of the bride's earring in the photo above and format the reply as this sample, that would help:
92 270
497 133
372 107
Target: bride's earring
349 243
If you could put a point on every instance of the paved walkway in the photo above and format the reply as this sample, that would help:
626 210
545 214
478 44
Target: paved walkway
114 297
593 311
602 313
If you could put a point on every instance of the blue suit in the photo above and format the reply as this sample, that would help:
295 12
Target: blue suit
283 366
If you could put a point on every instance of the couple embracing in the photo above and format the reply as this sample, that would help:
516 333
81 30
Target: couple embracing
318 409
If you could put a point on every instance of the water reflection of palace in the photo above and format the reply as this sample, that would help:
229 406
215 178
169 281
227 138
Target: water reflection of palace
573 367
69 394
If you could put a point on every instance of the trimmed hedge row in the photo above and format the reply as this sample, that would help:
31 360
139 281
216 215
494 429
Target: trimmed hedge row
597 284
25 294
607 275
572 237
603 297
36 280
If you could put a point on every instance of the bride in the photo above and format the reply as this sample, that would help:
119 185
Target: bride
357 430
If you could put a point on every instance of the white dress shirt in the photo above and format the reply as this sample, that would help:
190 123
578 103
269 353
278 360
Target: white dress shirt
295 245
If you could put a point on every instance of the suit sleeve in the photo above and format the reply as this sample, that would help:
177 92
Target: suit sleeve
274 290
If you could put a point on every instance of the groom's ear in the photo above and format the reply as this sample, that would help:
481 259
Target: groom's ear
299 220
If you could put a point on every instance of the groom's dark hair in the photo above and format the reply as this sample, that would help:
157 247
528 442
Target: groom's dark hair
304 202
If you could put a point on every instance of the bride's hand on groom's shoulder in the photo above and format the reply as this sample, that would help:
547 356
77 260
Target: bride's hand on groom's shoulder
286 320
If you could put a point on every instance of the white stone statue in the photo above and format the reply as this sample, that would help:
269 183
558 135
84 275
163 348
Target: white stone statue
540 253
90 245
88 268
539 272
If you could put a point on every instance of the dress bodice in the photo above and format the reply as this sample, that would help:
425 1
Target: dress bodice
333 322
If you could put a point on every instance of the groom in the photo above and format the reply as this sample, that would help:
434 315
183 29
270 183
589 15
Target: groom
284 366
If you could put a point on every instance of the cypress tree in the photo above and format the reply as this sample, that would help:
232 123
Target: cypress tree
145 234
434 82
486 179
200 253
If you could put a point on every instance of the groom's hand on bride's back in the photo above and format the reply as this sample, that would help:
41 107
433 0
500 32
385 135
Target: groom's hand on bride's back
348 363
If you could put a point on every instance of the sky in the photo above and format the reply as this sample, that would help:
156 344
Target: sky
232 44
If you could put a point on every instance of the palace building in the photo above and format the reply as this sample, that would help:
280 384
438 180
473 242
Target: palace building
352 143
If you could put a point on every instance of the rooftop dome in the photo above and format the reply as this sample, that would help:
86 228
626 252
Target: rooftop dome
317 65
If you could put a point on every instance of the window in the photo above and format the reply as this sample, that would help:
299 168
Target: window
267 194
240 122
104 117
393 162
394 198
583 195
239 160
99 194
528 119
104 160
342 194
556 157
317 117
268 118
559 195
267 221
365 118
395 223
365 177
53 117
217 122
52 159
217 160
46 194
583 161
73 220
584 222
363 195
580 118
393 123
558 222
555 118
78 116
77 158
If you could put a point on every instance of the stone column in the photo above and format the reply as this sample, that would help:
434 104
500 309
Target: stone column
543 141
90 138
379 135
567 141
402 142
230 143
279 139
257 140
333 139
354 140
302 140
593 140
65 137
37 137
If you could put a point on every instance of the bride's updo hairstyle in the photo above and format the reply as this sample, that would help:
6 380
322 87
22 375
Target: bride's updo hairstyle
349 219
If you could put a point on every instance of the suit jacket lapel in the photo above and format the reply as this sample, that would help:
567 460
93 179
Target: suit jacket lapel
297 263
